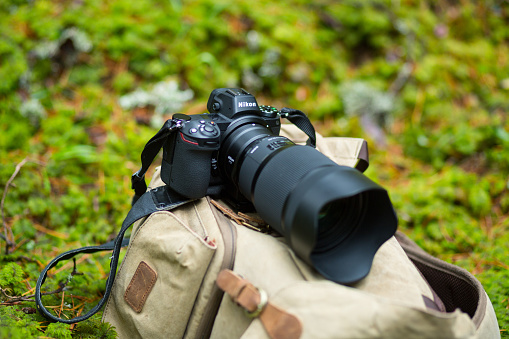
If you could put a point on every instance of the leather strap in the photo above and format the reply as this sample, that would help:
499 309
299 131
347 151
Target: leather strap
278 323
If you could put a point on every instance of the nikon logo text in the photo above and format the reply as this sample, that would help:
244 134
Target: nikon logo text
247 104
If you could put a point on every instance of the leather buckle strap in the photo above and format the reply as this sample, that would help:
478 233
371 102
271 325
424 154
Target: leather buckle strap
278 323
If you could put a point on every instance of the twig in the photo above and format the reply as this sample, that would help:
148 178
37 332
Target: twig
7 230
79 313
29 297
61 288
22 257
228 212
53 233
61 304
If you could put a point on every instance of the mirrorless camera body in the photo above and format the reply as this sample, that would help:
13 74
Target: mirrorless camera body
192 163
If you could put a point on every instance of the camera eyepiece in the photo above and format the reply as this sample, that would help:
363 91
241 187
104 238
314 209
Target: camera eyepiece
231 101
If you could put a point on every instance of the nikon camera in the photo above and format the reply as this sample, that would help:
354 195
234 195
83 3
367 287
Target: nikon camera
332 216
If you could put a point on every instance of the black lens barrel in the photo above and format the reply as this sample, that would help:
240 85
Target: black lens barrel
332 216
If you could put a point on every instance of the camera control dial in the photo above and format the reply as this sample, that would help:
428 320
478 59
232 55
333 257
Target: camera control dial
200 131
268 111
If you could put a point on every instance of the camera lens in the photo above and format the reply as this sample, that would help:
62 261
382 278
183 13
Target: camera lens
332 216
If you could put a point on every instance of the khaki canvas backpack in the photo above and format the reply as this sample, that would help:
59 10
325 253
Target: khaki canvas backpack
203 270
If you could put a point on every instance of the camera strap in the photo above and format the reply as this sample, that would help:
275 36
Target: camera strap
155 200
148 155
144 203
301 120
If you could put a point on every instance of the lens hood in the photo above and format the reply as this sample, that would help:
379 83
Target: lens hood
367 222
333 217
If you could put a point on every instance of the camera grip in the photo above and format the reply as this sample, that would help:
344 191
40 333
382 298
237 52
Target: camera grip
187 156
190 168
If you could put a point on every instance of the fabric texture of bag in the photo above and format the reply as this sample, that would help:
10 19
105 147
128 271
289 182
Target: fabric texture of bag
166 285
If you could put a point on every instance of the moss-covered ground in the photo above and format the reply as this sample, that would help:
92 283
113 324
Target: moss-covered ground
85 83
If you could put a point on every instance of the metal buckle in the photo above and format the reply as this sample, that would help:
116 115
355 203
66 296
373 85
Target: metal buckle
264 299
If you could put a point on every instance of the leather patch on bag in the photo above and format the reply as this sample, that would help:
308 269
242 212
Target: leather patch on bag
140 286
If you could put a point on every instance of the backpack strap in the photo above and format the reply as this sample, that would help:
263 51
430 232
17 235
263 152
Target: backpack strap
157 199
278 323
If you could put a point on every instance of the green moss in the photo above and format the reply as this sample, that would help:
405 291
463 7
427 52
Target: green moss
58 331
14 323
445 159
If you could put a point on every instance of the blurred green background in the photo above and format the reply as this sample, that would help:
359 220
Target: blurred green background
85 83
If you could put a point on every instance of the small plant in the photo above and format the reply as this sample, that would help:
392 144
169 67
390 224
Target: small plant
78 39
11 276
33 110
165 97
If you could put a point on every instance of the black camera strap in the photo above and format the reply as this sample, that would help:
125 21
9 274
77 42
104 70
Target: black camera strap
148 155
157 199
301 120
144 203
